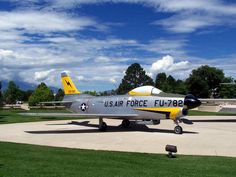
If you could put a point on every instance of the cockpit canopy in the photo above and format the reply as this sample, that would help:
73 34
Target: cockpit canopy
145 91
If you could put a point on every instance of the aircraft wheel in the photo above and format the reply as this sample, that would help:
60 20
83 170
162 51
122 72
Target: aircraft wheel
103 127
125 123
178 130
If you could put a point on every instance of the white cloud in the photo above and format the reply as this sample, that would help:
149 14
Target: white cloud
166 46
110 78
42 75
63 53
102 59
167 64
81 78
185 23
188 15
149 74
31 57
113 80
216 6
42 21
6 53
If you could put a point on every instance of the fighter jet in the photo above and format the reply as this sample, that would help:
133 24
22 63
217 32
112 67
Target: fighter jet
143 105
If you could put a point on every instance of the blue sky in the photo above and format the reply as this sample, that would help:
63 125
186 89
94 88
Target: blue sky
95 41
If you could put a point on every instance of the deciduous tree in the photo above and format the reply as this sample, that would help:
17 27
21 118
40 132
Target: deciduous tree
41 94
203 80
227 90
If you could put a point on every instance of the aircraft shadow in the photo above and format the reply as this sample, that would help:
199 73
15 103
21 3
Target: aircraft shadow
133 127
216 120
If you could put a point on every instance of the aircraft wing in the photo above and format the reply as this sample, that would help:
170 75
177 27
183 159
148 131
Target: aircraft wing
77 115
57 102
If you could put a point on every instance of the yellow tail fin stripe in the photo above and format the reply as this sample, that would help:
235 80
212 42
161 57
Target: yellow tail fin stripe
173 111
68 85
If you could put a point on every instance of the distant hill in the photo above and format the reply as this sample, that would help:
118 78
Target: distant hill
24 86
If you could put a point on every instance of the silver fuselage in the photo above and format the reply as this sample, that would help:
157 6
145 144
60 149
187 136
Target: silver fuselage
124 104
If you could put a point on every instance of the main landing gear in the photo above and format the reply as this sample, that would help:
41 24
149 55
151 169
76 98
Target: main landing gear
125 123
102 125
178 129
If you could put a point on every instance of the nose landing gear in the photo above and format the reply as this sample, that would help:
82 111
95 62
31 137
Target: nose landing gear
178 129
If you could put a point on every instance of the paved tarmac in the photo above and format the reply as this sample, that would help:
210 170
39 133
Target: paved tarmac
209 135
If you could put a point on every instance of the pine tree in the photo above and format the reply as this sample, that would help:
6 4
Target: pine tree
161 81
12 93
135 76
1 98
59 96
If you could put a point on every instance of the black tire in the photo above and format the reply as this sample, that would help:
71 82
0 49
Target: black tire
125 123
103 127
178 130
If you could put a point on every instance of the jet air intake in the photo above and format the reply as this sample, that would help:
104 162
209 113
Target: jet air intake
191 101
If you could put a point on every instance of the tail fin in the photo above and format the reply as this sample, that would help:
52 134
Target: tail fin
69 87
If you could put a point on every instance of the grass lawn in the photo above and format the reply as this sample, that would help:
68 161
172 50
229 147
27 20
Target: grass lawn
39 161
202 113
12 116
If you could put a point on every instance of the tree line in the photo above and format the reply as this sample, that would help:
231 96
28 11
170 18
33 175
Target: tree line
203 82
42 93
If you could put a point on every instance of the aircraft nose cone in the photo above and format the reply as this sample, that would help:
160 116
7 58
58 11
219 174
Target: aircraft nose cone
191 101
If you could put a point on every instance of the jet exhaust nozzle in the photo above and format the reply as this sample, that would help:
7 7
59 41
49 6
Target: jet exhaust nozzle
191 101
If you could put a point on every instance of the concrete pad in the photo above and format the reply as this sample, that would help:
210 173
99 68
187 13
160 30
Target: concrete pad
209 135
